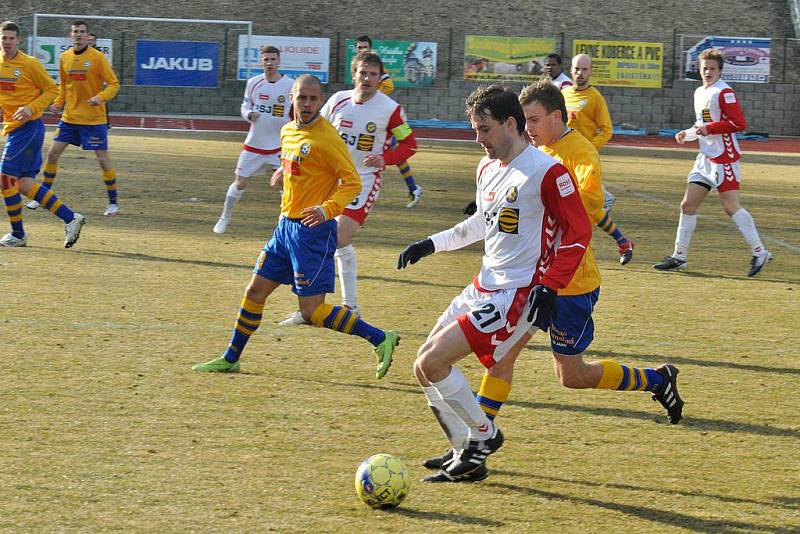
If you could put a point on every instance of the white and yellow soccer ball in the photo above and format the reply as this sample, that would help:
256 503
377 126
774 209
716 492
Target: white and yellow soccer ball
382 481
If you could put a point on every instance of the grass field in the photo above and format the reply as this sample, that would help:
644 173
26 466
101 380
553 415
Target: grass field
104 427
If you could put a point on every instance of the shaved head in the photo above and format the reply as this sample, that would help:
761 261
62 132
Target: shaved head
581 70
306 79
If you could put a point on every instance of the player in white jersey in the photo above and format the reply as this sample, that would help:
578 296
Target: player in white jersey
535 232
364 117
555 72
718 117
266 105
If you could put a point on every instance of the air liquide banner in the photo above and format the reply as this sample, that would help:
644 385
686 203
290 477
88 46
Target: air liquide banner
409 63
518 59
299 55
746 58
49 49
177 63
623 63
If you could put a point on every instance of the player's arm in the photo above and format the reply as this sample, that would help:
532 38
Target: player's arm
341 164
561 199
406 142
732 116
61 97
586 172
46 84
109 77
387 85
605 128
463 234
247 104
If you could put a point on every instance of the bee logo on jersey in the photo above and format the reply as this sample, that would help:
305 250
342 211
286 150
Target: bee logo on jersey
707 115
305 149
277 110
512 194
366 142
508 220
371 127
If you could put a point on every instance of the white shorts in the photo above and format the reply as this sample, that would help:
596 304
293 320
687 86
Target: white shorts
252 163
492 321
358 209
719 176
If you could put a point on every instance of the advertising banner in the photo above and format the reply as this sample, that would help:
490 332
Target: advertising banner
177 63
299 55
409 63
623 63
747 59
515 59
49 49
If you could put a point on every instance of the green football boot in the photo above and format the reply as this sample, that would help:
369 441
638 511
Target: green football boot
384 351
221 365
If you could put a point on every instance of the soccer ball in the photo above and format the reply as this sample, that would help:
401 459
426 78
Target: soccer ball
382 481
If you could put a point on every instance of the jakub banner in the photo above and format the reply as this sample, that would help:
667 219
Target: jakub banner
177 63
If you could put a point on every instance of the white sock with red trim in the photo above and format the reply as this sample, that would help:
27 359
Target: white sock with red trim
747 226
233 196
686 226
346 265
456 393
452 425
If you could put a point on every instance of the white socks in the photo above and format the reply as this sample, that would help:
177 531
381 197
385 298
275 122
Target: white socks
231 198
456 393
747 226
452 425
686 225
346 265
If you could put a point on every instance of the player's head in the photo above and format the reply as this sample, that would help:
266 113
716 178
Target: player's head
270 59
711 63
545 112
79 33
496 116
307 98
363 44
581 70
366 69
10 38
552 66
91 39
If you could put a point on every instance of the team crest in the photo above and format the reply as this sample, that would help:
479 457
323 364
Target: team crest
371 127
17 73
512 194
305 149
281 99
87 64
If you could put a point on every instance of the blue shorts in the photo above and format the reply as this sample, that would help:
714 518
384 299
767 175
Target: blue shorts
573 331
86 136
22 155
301 257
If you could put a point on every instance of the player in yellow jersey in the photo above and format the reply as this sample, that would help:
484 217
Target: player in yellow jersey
319 181
364 44
572 330
87 83
25 92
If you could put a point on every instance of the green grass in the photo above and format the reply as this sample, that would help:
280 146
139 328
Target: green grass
104 427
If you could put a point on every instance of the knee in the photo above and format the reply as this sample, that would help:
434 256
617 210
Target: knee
240 184
424 365
688 208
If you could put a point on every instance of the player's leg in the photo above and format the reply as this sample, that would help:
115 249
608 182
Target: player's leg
51 164
605 223
695 193
346 259
109 179
13 204
729 198
414 190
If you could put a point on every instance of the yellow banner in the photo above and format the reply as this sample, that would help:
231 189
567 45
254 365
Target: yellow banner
623 63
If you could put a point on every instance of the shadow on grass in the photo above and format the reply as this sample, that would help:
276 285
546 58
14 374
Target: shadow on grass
452 518
664 517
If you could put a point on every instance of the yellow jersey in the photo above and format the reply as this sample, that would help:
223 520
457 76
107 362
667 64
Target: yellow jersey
24 82
580 157
317 169
387 85
588 113
83 75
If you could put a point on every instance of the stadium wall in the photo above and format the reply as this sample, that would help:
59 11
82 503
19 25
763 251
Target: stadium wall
772 108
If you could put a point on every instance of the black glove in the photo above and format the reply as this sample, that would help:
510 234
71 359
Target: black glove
415 252
470 208
543 310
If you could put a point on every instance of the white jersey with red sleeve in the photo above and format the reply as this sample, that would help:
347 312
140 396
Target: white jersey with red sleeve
562 81
717 108
273 102
365 127
531 218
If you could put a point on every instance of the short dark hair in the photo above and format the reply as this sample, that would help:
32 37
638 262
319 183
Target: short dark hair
93 34
269 50
369 58
500 104
364 39
79 23
555 56
9 26
546 94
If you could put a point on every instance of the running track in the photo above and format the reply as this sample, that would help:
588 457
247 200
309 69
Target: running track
227 124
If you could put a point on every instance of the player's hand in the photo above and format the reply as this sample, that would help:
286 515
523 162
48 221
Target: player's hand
277 177
680 137
702 130
543 310
470 208
375 160
253 116
313 216
23 114
95 101
56 108
415 252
